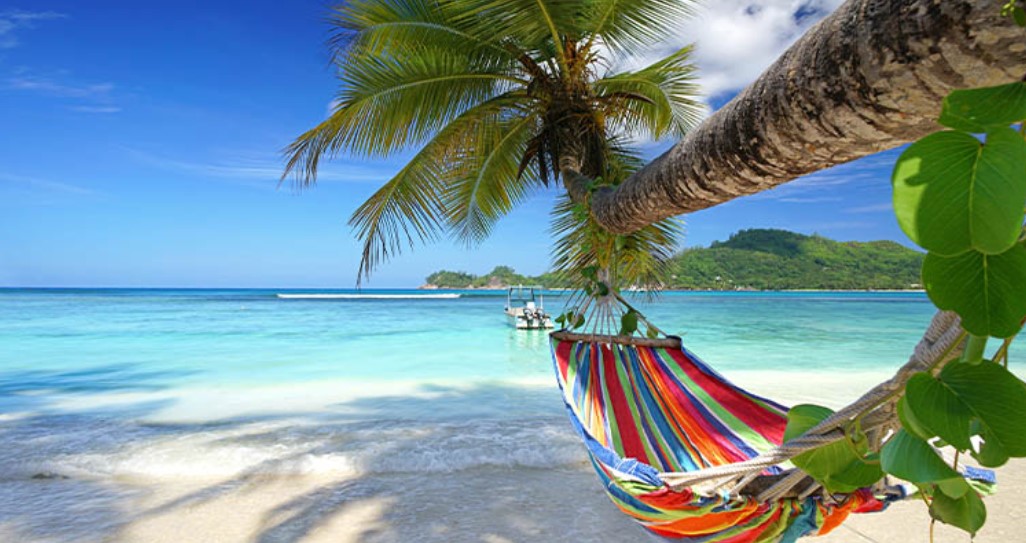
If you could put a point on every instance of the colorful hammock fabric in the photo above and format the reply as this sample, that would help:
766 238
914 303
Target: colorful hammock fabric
646 410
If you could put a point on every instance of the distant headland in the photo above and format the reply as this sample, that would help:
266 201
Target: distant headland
756 259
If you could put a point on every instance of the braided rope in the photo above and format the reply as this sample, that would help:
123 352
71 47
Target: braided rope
939 344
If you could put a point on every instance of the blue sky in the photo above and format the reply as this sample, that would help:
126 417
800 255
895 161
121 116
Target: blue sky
141 148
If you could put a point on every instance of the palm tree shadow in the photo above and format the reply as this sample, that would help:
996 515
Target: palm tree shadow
451 479
476 463
451 489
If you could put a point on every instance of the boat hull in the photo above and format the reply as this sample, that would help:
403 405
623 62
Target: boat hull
520 321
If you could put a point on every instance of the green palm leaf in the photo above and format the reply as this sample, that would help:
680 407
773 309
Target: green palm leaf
490 181
638 259
530 25
411 208
389 103
379 25
628 26
659 99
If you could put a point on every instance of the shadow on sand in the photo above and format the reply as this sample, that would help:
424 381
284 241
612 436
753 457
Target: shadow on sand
460 476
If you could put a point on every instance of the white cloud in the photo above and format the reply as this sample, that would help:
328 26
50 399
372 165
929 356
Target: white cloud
736 40
12 21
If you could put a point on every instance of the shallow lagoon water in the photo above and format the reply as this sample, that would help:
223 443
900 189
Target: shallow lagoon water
113 386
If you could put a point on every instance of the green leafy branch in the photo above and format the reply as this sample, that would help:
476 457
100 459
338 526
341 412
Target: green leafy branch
1015 10
960 194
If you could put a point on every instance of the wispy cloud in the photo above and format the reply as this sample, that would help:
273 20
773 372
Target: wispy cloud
835 225
14 21
822 186
96 109
809 200
258 172
871 208
51 87
87 97
24 181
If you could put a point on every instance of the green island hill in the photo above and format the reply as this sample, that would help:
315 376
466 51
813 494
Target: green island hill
755 259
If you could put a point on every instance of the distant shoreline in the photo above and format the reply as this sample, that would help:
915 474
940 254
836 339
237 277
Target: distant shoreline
5 289
503 289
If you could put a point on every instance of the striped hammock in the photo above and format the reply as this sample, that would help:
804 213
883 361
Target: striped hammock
642 411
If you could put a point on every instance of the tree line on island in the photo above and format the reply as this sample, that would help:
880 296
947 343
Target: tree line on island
756 259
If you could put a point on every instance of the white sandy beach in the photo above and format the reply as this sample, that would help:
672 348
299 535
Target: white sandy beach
500 505
281 497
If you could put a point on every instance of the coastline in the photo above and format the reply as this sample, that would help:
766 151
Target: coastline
563 289
500 502
195 416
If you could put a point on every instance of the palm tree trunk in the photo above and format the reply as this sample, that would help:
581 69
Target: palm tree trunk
869 77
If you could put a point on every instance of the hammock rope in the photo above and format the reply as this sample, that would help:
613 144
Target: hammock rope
940 344
693 457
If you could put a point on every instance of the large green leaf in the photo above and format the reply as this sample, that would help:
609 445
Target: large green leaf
965 400
909 421
987 291
979 110
839 466
938 411
858 474
910 458
994 396
953 193
803 417
966 512
991 454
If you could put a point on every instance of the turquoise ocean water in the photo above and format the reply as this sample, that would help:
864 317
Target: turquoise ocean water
112 385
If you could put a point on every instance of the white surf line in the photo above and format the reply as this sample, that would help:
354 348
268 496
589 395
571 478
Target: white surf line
368 296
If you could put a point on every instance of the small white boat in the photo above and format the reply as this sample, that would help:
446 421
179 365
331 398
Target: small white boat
525 308
368 296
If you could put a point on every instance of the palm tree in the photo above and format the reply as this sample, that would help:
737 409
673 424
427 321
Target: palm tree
869 77
499 98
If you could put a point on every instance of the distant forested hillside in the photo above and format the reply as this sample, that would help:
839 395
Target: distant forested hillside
756 259
500 277
778 259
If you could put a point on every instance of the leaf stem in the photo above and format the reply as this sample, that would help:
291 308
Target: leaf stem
1001 355
974 349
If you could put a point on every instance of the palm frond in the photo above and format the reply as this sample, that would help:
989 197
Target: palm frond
660 99
411 207
391 101
629 26
532 25
490 180
637 259
381 25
